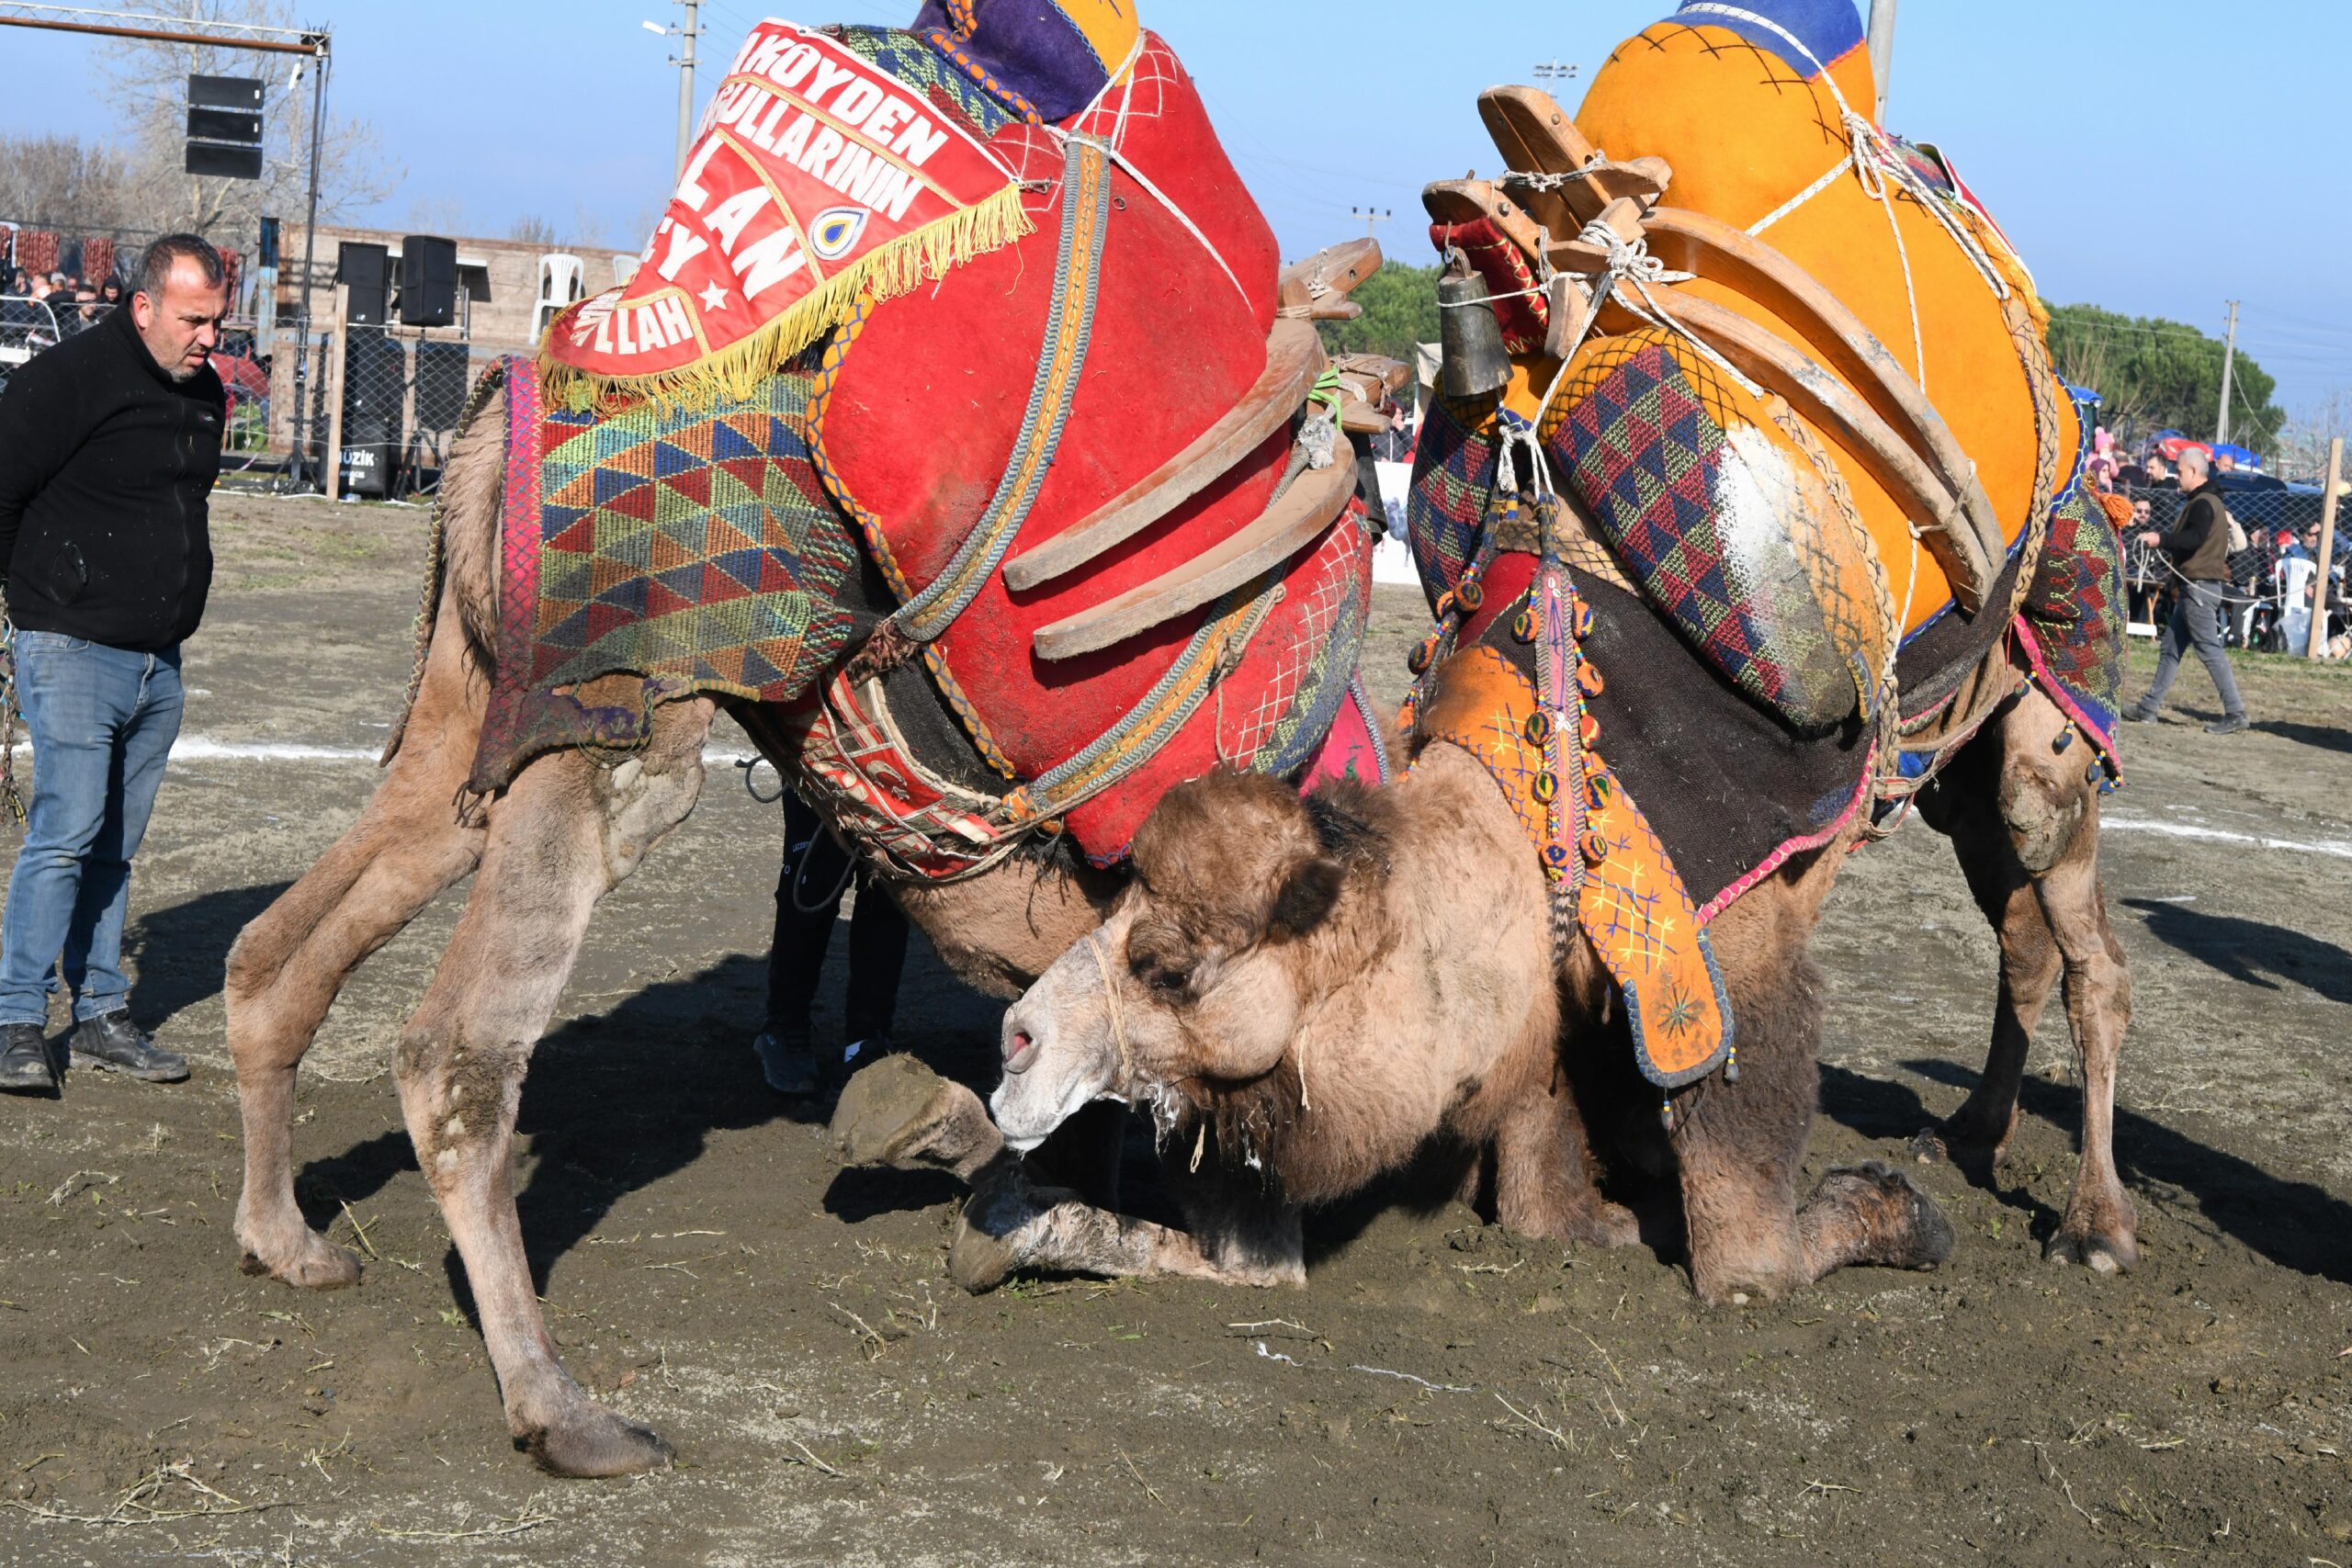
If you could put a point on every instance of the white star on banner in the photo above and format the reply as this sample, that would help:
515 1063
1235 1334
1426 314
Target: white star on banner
714 298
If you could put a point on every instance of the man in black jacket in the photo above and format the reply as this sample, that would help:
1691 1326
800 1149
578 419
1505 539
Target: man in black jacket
109 444
2200 548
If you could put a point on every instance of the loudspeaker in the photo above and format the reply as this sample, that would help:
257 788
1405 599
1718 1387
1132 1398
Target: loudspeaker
442 374
364 269
375 394
370 453
428 281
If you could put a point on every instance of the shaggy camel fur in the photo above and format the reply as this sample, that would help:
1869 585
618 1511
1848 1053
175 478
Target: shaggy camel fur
1391 948
1314 988
566 833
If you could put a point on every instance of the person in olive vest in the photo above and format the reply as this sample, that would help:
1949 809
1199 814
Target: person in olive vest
2200 547
109 444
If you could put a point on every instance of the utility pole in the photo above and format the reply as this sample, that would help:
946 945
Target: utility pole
1373 216
687 80
1554 71
2229 369
1881 50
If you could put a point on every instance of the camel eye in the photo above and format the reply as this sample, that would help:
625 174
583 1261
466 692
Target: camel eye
1167 982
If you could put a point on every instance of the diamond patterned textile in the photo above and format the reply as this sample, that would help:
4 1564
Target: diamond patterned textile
1708 516
2076 605
1453 479
690 547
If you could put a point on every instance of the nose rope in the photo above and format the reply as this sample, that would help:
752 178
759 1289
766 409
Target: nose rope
1110 1000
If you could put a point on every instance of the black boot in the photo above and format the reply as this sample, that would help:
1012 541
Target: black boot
26 1065
113 1042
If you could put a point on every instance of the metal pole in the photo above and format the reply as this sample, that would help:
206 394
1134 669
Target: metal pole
2318 646
1883 50
2229 369
686 81
156 35
309 254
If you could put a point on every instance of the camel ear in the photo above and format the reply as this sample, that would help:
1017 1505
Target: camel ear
1307 897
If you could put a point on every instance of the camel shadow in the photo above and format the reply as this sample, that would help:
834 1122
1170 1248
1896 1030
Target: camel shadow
182 952
2295 1225
2327 737
2248 950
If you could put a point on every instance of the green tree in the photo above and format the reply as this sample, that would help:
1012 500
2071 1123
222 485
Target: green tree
1399 311
2158 375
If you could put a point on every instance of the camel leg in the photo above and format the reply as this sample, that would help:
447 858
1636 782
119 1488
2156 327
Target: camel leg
566 834
289 965
2038 841
1963 805
1545 1176
1009 1226
1740 1145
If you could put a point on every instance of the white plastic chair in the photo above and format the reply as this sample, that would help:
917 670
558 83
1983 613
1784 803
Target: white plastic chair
562 282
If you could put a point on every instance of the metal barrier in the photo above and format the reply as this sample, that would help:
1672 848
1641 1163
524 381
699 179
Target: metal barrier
393 399
2269 594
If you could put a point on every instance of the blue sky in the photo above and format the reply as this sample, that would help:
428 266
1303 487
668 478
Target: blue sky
2155 157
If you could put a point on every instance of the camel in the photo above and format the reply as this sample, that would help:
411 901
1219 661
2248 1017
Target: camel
543 853
1309 990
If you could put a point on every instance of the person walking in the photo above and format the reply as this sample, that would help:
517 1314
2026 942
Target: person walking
109 445
817 873
2200 548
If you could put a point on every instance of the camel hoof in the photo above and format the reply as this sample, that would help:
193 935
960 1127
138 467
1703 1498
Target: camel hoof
977 1261
2100 1253
593 1442
318 1264
899 1113
1910 1230
1604 1225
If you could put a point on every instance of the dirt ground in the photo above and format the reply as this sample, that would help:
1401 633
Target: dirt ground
1441 1392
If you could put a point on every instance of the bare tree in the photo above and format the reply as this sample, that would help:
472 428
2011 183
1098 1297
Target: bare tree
532 230
2302 444
61 182
146 81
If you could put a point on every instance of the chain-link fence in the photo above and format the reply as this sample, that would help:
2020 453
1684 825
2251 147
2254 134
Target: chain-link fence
2272 591
398 394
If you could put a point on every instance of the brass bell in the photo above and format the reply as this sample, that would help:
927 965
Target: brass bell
1470 337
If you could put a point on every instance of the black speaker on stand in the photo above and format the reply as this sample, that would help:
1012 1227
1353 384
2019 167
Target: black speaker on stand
444 377
365 272
428 281
375 394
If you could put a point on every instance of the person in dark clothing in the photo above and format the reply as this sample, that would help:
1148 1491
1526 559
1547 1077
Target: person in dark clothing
2200 547
817 873
109 445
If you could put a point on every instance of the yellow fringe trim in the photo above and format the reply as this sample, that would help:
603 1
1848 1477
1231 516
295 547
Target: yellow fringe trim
736 372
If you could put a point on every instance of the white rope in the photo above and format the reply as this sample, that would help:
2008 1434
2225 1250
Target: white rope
1876 165
1816 189
1490 298
1631 264
1181 216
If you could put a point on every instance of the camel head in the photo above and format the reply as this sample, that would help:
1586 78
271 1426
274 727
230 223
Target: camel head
1229 937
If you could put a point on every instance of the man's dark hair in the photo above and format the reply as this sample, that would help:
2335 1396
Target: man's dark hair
156 266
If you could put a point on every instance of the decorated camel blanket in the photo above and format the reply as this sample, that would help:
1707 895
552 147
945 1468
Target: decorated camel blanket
722 474
1723 641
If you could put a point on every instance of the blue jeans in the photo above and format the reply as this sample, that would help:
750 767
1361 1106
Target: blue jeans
103 721
2196 624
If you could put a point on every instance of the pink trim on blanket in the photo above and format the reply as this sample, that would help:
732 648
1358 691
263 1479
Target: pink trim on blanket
1773 862
518 546
2050 688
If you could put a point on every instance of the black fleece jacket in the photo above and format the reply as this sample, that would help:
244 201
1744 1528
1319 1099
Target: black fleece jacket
106 466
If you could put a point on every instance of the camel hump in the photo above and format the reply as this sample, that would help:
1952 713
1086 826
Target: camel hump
1746 101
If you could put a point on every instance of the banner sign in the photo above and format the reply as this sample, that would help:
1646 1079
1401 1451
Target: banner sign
816 176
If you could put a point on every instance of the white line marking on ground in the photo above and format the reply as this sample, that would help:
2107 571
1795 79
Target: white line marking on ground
2341 849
